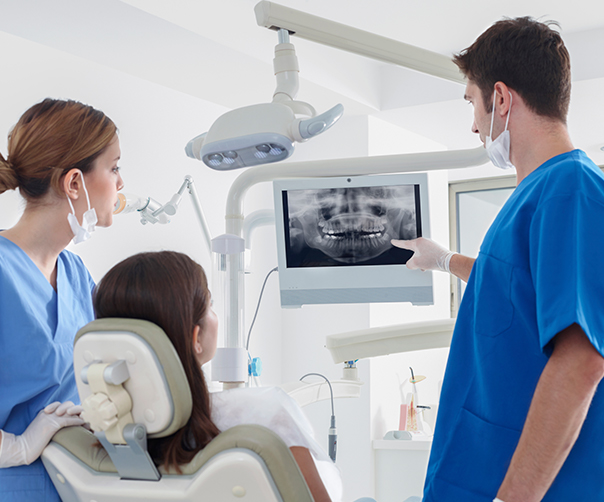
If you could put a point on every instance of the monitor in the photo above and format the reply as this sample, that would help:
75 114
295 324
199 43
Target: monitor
333 239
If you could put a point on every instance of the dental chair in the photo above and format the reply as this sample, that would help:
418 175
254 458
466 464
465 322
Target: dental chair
132 386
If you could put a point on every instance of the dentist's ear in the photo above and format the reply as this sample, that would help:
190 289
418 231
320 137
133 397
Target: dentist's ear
504 97
71 183
197 348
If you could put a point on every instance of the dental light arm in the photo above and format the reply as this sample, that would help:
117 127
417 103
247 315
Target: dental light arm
286 69
266 132
323 31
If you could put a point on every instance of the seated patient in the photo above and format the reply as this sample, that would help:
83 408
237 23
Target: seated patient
170 290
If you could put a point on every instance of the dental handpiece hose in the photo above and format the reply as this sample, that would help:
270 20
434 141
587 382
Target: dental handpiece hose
332 439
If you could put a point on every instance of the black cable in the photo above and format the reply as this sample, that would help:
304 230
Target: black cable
247 344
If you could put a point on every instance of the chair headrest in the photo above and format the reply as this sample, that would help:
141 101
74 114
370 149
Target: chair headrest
158 386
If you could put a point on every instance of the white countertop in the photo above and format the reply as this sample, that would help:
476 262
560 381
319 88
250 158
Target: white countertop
417 443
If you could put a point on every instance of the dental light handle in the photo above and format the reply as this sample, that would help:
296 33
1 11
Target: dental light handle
304 129
332 439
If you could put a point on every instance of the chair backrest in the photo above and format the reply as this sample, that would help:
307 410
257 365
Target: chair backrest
134 360
157 384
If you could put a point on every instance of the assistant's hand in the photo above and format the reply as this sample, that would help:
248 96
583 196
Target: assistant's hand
427 255
24 449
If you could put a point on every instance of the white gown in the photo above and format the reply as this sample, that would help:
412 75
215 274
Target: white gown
274 409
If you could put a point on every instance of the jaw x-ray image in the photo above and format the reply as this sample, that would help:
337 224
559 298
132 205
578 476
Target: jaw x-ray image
350 226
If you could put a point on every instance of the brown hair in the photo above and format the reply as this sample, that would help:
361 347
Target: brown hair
170 290
49 139
526 55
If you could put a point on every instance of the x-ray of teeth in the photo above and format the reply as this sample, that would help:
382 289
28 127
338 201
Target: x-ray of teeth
350 225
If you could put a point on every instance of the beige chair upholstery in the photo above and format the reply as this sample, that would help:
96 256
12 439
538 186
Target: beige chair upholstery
248 461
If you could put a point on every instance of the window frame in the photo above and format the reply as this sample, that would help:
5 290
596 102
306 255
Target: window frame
455 189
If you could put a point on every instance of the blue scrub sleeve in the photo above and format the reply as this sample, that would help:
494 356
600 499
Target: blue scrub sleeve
567 263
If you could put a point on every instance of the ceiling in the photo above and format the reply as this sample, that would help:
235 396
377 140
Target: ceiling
214 50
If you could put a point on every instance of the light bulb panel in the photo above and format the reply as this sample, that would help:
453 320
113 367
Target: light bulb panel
245 151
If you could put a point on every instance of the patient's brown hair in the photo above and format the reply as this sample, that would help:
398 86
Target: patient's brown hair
170 290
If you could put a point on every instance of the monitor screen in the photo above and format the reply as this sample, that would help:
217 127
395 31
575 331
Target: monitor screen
334 238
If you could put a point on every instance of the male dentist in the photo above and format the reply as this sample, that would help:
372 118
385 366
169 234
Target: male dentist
521 418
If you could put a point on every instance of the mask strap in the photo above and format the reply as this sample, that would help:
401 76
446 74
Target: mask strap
509 112
493 113
85 191
88 198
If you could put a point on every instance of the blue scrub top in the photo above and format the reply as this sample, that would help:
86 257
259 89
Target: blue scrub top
37 328
540 269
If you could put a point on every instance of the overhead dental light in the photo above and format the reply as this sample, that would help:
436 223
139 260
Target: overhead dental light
266 132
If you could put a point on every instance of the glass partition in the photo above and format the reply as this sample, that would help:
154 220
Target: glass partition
473 207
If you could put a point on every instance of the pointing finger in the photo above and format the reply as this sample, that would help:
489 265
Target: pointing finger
411 245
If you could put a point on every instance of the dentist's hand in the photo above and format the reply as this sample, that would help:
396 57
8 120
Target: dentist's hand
24 449
427 255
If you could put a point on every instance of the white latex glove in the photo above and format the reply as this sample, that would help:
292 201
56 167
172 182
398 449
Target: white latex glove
497 500
24 449
427 255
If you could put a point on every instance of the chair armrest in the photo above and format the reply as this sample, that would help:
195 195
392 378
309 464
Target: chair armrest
84 445
267 445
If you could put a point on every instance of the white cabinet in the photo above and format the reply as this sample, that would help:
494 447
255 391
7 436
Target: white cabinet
400 468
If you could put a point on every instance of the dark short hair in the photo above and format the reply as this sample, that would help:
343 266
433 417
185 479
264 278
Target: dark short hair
528 56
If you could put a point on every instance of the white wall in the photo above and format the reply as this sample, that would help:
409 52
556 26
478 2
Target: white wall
154 122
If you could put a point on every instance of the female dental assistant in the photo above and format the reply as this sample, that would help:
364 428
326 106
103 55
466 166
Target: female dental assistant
62 156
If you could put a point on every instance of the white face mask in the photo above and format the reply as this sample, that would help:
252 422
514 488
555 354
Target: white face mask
499 150
82 232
